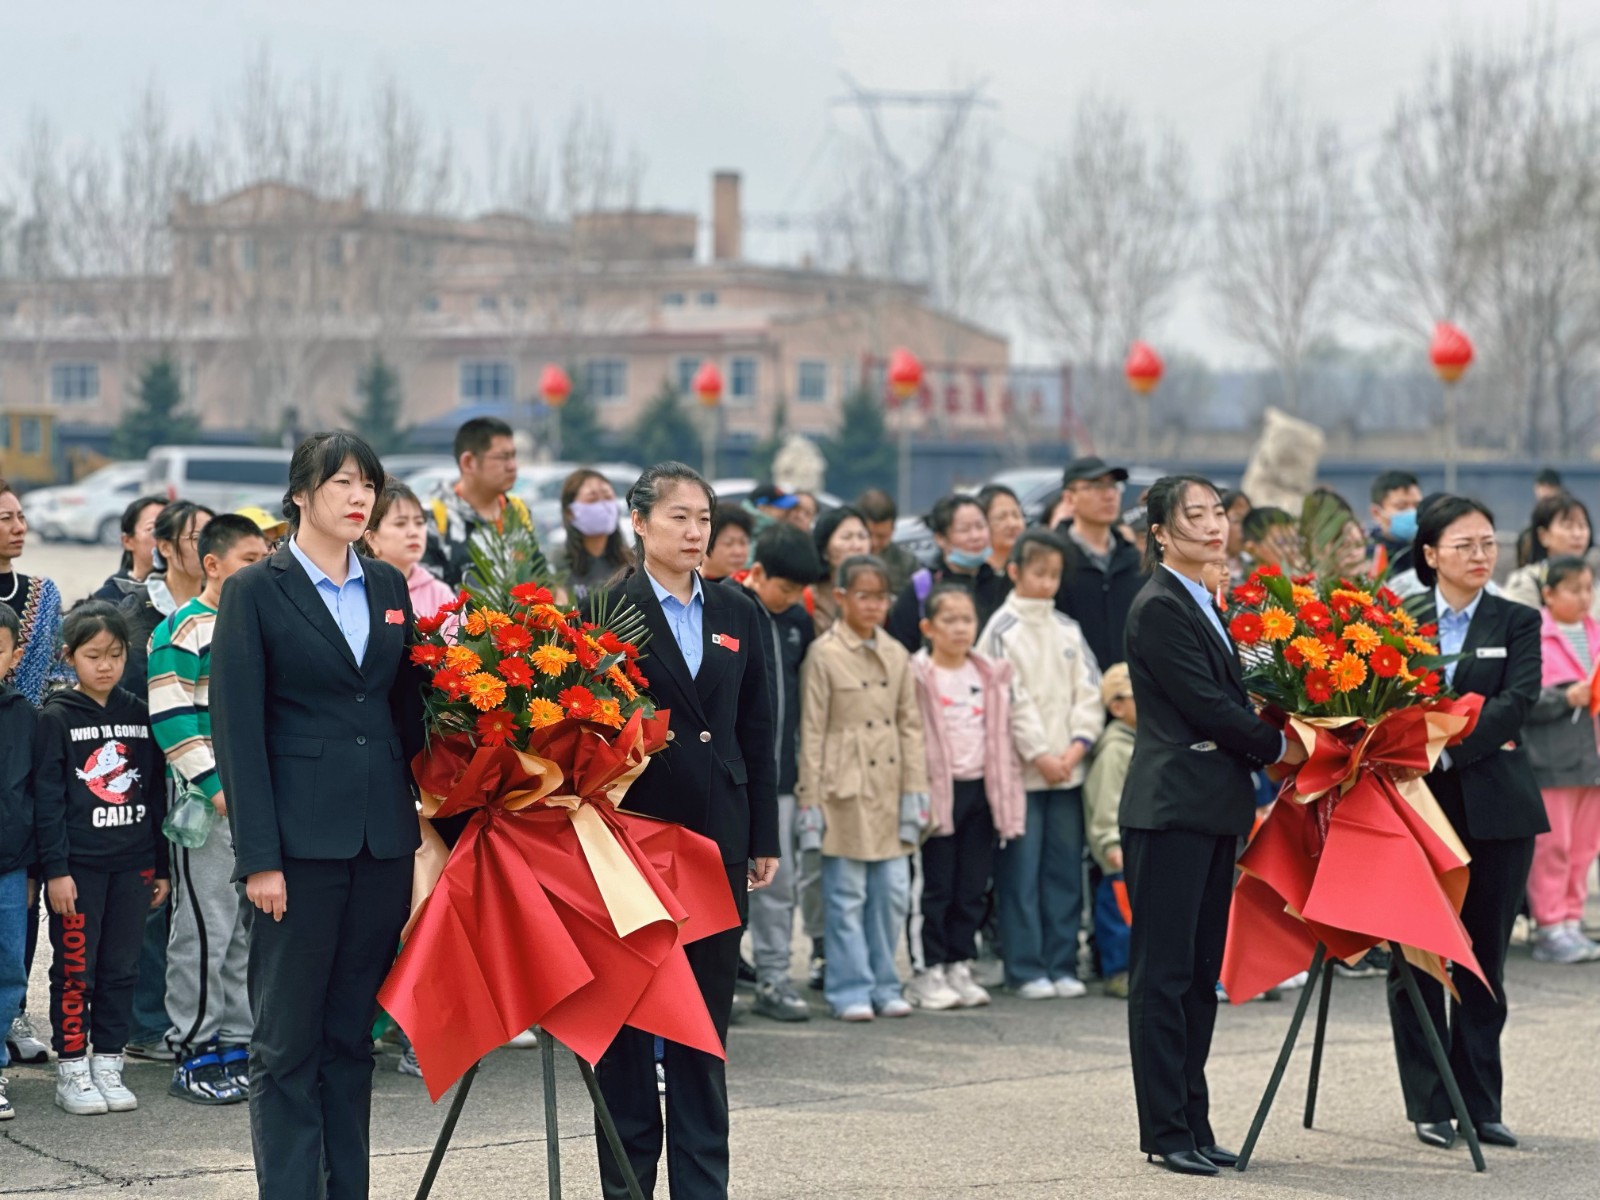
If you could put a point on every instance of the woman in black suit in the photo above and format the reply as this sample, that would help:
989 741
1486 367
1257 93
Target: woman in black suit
1487 789
316 714
718 777
1187 801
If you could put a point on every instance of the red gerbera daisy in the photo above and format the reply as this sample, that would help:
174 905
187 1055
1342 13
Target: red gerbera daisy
451 682
530 594
1386 662
1249 593
495 727
1246 629
611 643
1319 686
579 702
515 671
432 624
427 656
1428 684
1315 615
511 639
454 606
1269 571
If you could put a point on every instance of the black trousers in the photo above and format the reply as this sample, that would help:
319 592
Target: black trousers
314 979
697 1084
1471 1031
1179 885
96 961
955 873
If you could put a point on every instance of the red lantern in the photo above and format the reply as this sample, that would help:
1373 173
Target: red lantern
1143 368
708 384
905 373
1451 352
554 385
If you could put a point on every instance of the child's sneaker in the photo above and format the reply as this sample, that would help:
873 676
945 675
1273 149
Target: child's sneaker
1037 989
236 1062
898 1007
959 977
855 1012
203 1079
6 1111
930 990
24 1043
409 1064
105 1072
75 1090
1069 987
1117 986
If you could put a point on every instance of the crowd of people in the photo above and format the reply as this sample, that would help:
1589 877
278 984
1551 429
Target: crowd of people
948 743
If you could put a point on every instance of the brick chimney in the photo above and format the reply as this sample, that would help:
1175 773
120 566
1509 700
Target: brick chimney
727 222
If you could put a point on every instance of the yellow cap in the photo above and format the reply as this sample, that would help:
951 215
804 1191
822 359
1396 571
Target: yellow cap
1115 683
268 524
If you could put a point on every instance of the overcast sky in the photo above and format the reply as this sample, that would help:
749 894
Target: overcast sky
748 84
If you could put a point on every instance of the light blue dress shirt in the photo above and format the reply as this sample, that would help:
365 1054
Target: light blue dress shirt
347 604
687 622
1453 628
1207 603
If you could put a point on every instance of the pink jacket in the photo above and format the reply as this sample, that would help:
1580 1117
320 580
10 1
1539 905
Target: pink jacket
427 590
1560 664
1002 773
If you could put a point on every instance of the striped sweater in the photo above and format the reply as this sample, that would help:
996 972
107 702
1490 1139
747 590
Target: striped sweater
180 694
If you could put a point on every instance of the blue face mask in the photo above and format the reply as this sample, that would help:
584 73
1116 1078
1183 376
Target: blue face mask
1403 525
966 560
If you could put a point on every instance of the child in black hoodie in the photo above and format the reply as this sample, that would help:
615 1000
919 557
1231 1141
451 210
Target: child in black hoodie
17 723
99 800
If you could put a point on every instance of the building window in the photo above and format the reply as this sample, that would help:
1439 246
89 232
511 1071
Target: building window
430 303
335 307
606 379
811 380
683 375
488 303
31 435
673 300
741 379
249 254
202 308
73 382
335 251
487 381
282 255
707 299
202 254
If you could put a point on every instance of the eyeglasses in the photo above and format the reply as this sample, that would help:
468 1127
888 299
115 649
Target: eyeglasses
1487 548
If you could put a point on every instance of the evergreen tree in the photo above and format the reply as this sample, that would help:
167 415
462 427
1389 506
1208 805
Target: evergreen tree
378 418
154 419
664 431
861 454
582 438
766 450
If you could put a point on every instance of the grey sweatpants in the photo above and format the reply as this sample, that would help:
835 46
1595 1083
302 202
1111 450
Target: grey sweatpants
772 908
208 950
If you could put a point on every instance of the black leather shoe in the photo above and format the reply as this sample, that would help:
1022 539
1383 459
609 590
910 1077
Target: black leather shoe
1186 1162
1221 1157
1439 1134
1493 1133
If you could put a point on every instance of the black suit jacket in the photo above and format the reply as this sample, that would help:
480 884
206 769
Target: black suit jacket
314 749
1503 663
718 775
1198 737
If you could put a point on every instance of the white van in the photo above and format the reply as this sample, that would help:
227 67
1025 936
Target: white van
222 478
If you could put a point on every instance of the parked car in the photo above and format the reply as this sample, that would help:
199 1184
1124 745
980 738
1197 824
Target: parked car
406 467
220 477
89 510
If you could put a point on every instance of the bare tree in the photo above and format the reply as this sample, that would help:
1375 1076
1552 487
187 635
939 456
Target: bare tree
1282 227
1106 241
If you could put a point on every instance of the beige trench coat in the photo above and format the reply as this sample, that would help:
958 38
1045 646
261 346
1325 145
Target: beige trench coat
860 742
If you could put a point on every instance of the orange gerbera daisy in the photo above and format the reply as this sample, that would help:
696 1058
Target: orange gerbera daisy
1310 650
1403 621
1419 645
621 682
476 623
1362 637
551 659
1303 595
1349 673
1353 596
485 691
1276 625
459 658
608 712
542 712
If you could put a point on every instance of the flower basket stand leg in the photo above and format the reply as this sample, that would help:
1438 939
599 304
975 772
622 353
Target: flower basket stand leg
552 1140
1321 971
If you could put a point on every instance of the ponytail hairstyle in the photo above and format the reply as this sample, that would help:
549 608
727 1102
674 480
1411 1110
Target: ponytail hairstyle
652 486
130 523
318 459
1432 520
1164 509
940 592
172 522
1564 567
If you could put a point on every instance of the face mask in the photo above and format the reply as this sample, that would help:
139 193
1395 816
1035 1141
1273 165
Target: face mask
594 518
966 560
1403 525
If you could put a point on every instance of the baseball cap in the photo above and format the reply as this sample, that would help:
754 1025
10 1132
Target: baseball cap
1080 469
770 495
1115 683
265 521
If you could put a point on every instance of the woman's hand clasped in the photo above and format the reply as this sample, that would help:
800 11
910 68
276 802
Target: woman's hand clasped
268 892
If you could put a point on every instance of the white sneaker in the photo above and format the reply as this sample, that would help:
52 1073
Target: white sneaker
1037 989
855 1012
105 1070
528 1039
1295 982
26 1047
930 990
1069 987
898 1007
959 977
6 1111
1590 947
75 1090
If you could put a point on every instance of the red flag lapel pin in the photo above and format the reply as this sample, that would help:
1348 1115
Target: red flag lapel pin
394 616
726 640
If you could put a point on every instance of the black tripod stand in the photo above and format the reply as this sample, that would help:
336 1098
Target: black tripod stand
547 1062
1320 968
